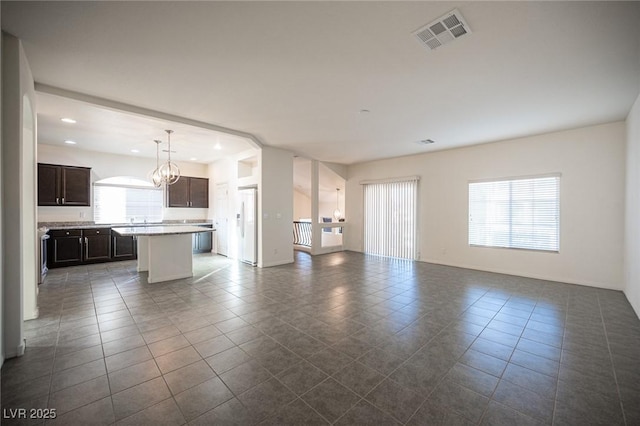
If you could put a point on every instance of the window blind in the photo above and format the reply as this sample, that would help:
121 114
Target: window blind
390 214
516 213
123 204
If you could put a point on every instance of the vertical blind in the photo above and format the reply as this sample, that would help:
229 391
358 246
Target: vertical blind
518 213
390 218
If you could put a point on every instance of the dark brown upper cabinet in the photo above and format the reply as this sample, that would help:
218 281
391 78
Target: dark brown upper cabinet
63 185
188 192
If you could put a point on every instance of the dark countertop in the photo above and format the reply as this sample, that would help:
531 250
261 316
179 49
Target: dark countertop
87 225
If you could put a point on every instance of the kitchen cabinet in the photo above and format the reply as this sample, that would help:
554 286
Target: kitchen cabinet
123 248
203 241
188 192
65 248
97 244
63 185
68 247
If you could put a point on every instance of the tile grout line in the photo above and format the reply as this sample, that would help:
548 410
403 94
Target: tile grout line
564 329
425 345
613 367
250 287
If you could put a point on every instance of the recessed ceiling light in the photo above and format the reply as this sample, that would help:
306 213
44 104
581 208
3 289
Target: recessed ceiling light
69 142
68 120
135 150
217 146
193 158
364 111
425 142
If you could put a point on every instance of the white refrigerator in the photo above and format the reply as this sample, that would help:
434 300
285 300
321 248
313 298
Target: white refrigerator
247 225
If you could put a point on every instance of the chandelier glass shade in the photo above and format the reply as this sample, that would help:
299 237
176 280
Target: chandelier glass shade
337 214
155 175
168 172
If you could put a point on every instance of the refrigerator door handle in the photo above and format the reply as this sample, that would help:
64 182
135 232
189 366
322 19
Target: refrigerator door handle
242 220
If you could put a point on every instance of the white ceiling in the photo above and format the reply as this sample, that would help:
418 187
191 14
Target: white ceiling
106 130
297 74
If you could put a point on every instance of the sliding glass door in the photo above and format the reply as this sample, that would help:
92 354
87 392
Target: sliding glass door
390 218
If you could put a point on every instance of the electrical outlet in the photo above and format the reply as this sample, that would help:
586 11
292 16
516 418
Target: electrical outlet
82 214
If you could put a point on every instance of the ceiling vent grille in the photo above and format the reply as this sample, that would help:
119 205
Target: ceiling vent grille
443 30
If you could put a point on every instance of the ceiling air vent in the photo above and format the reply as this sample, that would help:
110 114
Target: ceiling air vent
443 30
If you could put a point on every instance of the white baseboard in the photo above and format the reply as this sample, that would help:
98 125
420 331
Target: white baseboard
276 263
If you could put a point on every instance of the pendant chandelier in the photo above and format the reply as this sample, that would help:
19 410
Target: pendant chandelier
168 172
337 214
155 176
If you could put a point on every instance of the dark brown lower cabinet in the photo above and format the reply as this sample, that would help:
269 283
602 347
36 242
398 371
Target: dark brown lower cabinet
97 244
70 247
65 247
123 248
203 241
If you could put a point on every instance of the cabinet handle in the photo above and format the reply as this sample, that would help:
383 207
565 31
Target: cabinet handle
57 200
62 200
86 248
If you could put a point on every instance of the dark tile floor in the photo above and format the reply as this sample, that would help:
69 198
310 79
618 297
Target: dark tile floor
341 339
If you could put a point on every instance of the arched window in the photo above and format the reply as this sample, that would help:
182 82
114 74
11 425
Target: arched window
123 199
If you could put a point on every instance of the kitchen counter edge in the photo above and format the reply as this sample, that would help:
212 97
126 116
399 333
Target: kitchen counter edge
89 225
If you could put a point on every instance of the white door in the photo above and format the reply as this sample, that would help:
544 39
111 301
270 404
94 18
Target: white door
248 236
222 219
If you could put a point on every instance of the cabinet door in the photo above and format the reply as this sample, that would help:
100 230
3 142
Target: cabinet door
205 242
65 248
123 247
97 244
199 192
195 243
48 185
76 186
178 193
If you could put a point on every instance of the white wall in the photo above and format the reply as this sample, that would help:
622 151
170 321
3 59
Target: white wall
325 209
19 248
591 161
275 199
632 217
103 166
28 201
301 205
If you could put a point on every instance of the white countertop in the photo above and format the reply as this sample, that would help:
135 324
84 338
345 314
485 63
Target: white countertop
160 230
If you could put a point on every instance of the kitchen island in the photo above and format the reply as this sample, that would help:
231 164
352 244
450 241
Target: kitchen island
164 251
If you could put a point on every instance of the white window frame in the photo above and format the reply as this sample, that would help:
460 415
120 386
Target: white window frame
512 210
145 212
